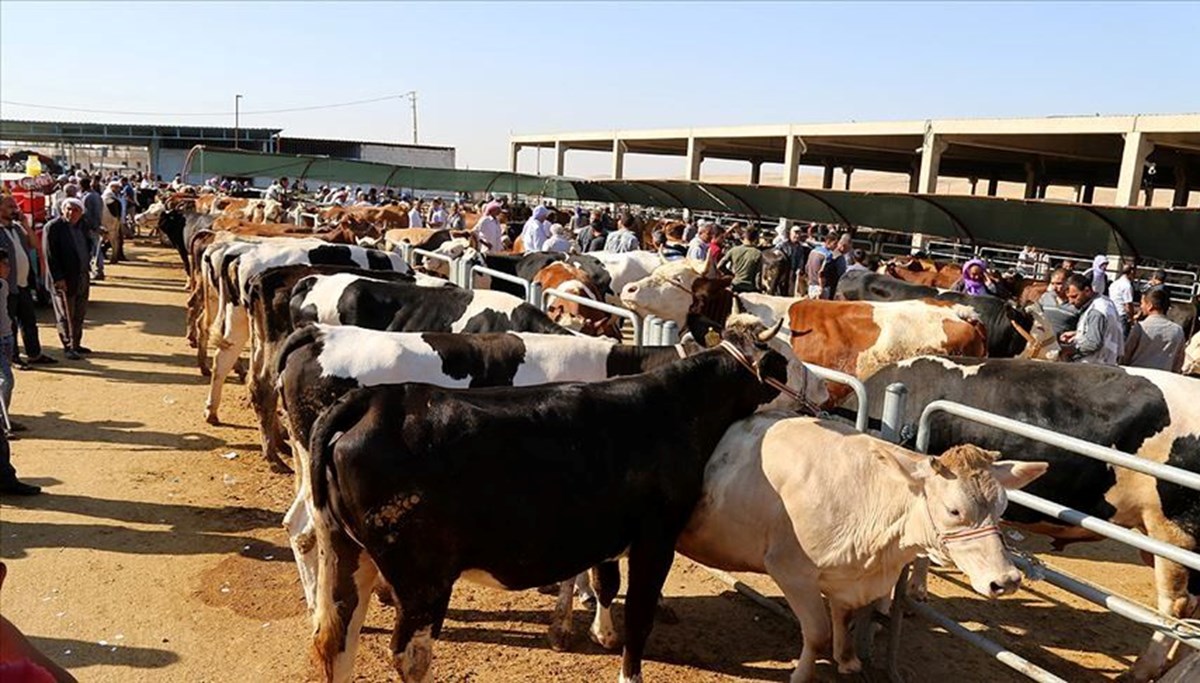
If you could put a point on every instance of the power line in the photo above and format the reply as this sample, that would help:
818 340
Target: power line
206 113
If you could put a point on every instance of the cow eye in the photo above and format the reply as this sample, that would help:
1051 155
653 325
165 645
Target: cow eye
954 513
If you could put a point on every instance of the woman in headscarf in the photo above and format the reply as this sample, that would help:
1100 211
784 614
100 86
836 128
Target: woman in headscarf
974 278
1097 274
536 230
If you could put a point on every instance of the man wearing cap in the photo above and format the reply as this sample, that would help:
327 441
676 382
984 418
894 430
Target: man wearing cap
68 248
20 282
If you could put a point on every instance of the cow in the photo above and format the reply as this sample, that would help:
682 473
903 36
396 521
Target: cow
180 228
268 300
1003 321
766 307
1191 356
777 500
561 276
667 291
859 337
418 482
625 268
320 363
776 276
1149 413
232 322
923 272
527 266
399 307
421 238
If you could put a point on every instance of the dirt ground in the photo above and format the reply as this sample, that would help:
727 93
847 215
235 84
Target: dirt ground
156 556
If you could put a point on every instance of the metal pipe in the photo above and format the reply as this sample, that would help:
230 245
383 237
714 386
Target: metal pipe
860 390
600 306
758 598
1106 529
1006 657
495 274
1111 456
1183 632
670 333
894 398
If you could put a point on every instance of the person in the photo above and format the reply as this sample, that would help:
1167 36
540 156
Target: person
591 236
1097 275
21 287
1121 293
416 218
456 221
857 257
623 238
834 267
1068 265
111 220
795 250
1097 337
536 230
1059 311
93 221
974 278
1027 262
558 241
177 182
698 247
744 262
674 247
1158 280
274 191
817 258
488 231
437 215
6 333
1155 341
67 248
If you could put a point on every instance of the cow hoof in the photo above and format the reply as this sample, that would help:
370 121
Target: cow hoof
850 666
281 467
385 594
212 418
549 589
560 638
608 641
666 615
205 372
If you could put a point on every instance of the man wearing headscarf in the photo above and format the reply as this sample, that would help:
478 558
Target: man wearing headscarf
68 248
488 231
536 230
1097 275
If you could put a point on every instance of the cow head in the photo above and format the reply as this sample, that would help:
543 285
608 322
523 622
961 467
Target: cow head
667 292
565 277
744 329
960 501
1040 340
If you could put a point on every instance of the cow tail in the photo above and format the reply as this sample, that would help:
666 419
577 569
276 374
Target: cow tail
330 425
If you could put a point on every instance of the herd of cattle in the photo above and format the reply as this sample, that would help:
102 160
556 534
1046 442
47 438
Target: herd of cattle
438 432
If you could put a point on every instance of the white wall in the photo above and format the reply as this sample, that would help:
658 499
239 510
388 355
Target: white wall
408 156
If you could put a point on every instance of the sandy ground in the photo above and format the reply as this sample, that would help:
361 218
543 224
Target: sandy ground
151 557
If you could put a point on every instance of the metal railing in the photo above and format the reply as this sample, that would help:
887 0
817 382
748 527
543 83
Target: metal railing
451 261
532 289
860 391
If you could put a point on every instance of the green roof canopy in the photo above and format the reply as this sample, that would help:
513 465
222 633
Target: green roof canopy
1171 235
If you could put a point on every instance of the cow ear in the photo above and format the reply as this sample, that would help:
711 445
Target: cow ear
1014 474
902 466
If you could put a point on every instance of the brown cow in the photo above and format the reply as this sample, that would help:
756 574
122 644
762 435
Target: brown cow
565 277
859 337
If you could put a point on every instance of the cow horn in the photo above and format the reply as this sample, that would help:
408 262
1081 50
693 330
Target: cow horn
736 305
703 269
769 334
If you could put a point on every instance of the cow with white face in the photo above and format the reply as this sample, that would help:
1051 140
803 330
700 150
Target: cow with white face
824 509
666 292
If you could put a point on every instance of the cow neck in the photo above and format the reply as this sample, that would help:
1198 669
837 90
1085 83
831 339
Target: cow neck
920 535
782 387
714 391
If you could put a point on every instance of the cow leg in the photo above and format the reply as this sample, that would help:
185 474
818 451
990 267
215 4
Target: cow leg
918 582
1171 583
804 597
560 620
419 614
843 645
649 562
265 400
343 593
232 343
606 577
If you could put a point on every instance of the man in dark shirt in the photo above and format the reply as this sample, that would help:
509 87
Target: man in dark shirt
795 250
93 221
68 249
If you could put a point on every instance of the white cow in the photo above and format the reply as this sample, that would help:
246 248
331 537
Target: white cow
626 267
666 292
827 510
1191 356
766 307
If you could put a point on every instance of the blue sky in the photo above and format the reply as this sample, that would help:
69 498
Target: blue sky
483 70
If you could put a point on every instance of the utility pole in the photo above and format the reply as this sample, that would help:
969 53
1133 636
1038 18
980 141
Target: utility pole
412 96
237 111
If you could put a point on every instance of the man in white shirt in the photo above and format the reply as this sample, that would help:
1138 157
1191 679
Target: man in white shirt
622 239
415 217
1121 293
437 217
488 231
558 240
698 247
536 230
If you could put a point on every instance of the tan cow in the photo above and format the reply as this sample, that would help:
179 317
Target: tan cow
824 509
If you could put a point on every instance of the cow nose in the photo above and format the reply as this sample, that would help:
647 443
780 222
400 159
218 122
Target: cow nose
1005 584
631 289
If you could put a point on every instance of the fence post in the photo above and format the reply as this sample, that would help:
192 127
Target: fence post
653 331
670 333
535 295
894 398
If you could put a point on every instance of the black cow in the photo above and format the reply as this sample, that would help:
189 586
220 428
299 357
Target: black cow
402 307
268 297
997 315
1150 413
516 488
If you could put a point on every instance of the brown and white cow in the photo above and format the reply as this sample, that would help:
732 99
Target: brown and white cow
859 337
827 510
564 277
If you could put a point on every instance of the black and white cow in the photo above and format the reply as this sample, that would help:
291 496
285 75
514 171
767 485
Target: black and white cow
400 307
999 317
268 298
239 265
1149 413
180 227
318 364
515 487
